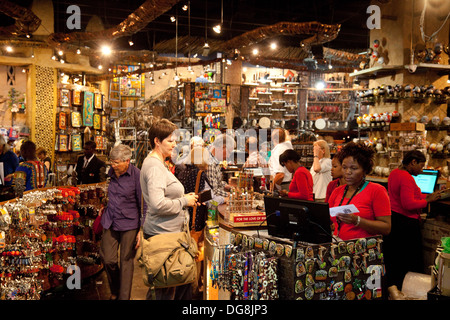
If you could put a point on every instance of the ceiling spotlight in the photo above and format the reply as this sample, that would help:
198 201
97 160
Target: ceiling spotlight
255 51
273 46
60 52
100 67
185 7
62 61
218 28
176 78
330 66
173 19
130 42
28 36
78 51
53 57
23 70
9 49
106 50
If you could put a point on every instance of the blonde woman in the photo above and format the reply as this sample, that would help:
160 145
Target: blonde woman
321 169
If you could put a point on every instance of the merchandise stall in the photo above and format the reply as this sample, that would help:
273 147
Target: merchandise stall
46 235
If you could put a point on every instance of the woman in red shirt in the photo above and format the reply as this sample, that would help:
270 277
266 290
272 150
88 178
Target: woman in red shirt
403 246
301 186
371 199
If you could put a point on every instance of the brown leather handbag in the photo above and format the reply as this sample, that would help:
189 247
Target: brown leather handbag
198 236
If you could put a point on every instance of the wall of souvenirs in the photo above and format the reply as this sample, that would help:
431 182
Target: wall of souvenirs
82 115
43 234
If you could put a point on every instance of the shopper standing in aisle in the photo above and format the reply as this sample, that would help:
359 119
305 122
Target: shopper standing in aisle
321 169
403 246
371 199
336 174
89 168
301 186
280 176
219 151
121 221
165 198
33 171
9 159
42 156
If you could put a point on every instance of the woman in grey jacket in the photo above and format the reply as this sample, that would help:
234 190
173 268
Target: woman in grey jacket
164 196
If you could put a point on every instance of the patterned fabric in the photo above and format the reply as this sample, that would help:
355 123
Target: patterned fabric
187 174
215 178
36 174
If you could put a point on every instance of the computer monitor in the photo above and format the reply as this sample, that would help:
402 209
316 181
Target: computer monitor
298 220
427 180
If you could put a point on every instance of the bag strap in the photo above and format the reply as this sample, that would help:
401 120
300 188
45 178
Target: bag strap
197 184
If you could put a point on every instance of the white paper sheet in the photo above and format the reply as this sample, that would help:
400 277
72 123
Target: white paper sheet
350 208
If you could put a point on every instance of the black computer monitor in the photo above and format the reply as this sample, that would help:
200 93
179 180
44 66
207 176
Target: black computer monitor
298 220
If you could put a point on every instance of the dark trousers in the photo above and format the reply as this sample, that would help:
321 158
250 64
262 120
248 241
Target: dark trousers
183 292
402 249
120 277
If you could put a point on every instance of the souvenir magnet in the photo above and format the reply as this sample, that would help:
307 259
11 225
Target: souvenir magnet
244 241
266 243
238 239
309 281
321 253
333 272
344 263
280 250
251 242
348 288
360 246
309 253
350 247
309 266
300 269
309 293
342 247
350 295
258 243
347 276
321 275
299 286
338 287
288 250
300 255
320 287
232 238
372 255
272 247
333 251
371 243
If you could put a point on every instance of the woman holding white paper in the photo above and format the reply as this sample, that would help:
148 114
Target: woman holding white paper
371 199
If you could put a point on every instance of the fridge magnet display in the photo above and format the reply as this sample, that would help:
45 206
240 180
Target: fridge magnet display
64 98
76 119
97 121
76 97
98 101
88 109
63 140
62 121
76 142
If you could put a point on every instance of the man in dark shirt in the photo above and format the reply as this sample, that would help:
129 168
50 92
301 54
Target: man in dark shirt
89 168
121 221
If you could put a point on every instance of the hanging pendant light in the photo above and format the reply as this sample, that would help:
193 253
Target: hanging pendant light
218 28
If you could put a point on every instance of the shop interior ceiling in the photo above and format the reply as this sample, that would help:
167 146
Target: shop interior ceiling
330 30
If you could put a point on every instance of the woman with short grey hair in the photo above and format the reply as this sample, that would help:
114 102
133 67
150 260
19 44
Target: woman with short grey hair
121 222
121 152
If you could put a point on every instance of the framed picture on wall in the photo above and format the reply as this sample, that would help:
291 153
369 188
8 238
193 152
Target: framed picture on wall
104 120
75 118
99 142
88 109
76 97
63 142
64 97
62 120
97 121
76 142
98 101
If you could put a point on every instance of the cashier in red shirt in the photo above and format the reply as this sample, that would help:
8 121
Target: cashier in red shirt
371 199
301 186
407 202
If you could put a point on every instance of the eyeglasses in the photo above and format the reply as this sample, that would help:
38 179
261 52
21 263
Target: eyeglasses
116 162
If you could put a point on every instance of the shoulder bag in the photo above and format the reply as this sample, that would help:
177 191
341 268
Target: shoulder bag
168 259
